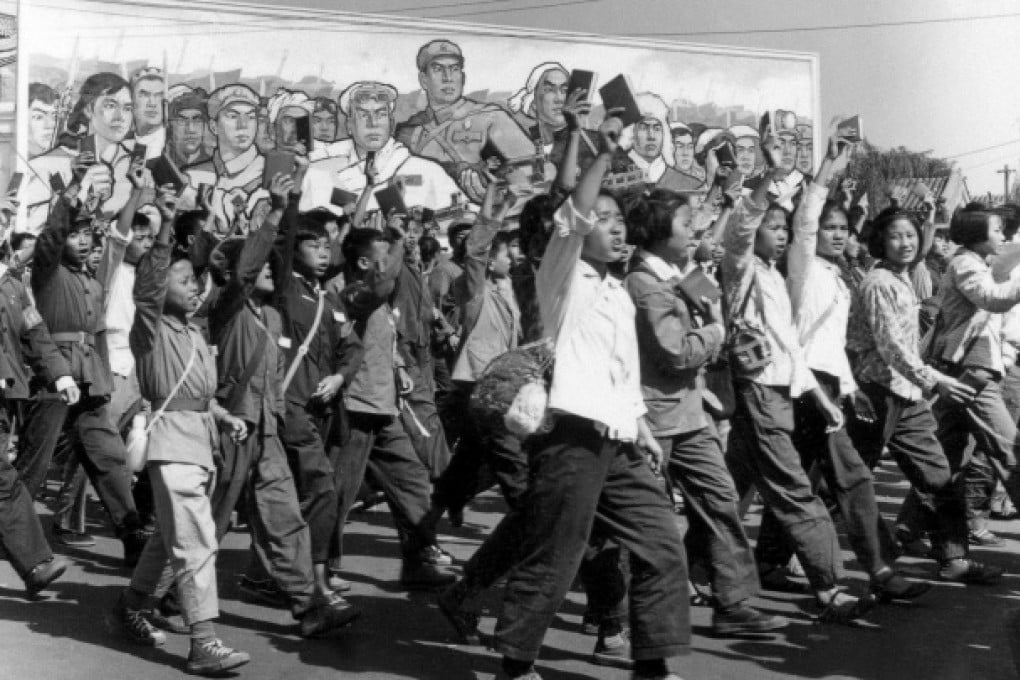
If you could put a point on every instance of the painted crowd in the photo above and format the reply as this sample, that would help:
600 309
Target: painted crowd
230 309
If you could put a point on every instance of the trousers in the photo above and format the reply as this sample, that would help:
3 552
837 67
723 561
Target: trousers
715 537
379 444
583 482
761 453
185 537
841 475
313 474
95 443
257 469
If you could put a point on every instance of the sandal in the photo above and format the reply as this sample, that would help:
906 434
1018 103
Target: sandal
844 609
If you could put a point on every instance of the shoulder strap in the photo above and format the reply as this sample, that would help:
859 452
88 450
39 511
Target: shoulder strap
747 296
303 349
249 369
177 387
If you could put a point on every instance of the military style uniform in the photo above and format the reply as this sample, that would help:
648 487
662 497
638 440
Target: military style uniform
454 136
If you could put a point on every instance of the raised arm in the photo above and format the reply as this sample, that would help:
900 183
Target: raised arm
469 288
152 277
976 283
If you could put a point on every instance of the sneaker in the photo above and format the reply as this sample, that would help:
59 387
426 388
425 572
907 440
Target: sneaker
263 592
369 501
912 545
613 650
844 609
45 573
72 539
424 577
433 554
794 569
210 657
969 571
530 675
743 619
984 538
137 627
328 617
171 624
464 621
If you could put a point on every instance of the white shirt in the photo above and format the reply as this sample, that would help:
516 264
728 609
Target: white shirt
740 267
653 171
819 297
590 319
120 314
340 165
154 142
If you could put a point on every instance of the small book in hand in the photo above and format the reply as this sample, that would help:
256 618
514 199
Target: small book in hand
618 100
698 285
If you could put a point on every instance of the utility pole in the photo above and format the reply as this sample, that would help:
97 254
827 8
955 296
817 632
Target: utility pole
1005 172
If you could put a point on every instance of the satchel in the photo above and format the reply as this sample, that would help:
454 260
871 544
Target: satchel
137 444
747 348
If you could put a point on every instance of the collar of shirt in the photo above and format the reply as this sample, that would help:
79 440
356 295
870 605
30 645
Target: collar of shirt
238 163
653 170
154 141
662 269
313 286
447 112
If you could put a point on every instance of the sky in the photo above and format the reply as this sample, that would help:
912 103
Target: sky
939 78
949 86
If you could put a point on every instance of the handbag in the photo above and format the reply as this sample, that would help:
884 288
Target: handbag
137 444
747 348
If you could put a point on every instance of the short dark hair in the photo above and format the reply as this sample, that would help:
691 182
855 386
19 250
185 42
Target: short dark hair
535 222
359 243
97 85
311 226
650 217
451 235
140 220
502 239
833 206
1010 214
18 238
881 223
969 225
787 214
186 225
428 246
41 92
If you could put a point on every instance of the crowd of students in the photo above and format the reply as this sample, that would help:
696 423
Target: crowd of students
315 359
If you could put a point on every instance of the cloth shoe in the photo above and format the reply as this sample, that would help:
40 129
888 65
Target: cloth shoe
970 572
744 619
45 573
72 539
266 592
211 657
433 554
424 576
613 650
984 538
465 622
136 626
333 615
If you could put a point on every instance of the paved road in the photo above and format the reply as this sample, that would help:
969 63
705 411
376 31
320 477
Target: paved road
954 634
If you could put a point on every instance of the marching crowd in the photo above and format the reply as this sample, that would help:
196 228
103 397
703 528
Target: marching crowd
591 351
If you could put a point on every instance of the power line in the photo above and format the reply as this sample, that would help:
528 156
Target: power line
833 27
547 5
987 148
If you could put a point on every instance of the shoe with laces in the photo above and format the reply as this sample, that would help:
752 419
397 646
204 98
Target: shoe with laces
136 626
210 657
171 624
72 539
424 576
